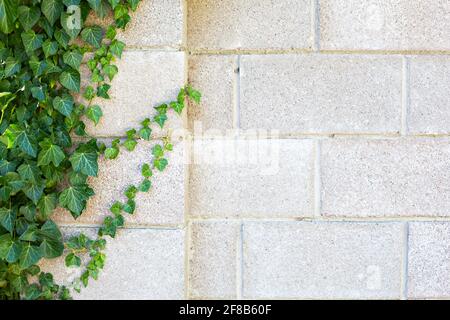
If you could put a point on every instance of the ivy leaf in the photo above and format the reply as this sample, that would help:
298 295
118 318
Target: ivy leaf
73 198
111 153
9 248
84 160
28 17
73 58
145 185
38 93
62 37
72 260
130 144
146 170
160 164
29 256
94 113
7 218
52 10
89 93
64 104
160 119
130 206
34 191
193 94
145 133
177 107
116 48
50 230
50 153
116 208
102 91
37 66
71 80
133 4
31 40
29 171
47 204
51 248
157 151
30 233
93 35
113 3
50 48
17 136
12 66
110 71
99 7
8 15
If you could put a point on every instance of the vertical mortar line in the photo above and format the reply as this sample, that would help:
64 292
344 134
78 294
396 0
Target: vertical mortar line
184 36
240 262
317 180
315 25
237 94
405 95
404 293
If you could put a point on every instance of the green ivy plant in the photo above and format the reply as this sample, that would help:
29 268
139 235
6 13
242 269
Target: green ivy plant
42 165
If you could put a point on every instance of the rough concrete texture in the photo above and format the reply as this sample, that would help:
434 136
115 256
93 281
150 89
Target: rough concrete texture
321 93
429 260
384 25
322 260
162 205
398 177
145 80
155 23
140 264
213 259
429 110
250 24
251 178
216 76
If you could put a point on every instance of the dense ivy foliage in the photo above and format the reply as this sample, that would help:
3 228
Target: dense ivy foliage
43 44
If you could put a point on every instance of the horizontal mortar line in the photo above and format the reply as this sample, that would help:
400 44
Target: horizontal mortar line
322 136
193 51
140 227
322 218
154 48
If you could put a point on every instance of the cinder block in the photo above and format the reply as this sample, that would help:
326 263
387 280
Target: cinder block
145 80
398 177
213 259
384 25
162 205
250 24
321 93
247 177
429 110
215 77
140 264
322 260
429 260
155 23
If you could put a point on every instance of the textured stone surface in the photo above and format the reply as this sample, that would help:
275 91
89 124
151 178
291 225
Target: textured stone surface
215 77
322 260
140 264
213 259
252 178
155 23
429 260
385 25
429 110
145 80
399 177
250 24
321 93
162 205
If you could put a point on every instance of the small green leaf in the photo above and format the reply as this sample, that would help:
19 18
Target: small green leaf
130 206
12 66
110 71
38 93
130 144
71 80
28 17
146 170
193 94
89 93
160 164
31 40
73 198
52 10
9 248
102 91
29 256
111 32
84 160
7 218
160 119
177 107
111 153
50 153
116 48
64 104
131 191
73 58
157 151
116 208
145 185
94 113
93 35
145 133
50 48
72 260
47 204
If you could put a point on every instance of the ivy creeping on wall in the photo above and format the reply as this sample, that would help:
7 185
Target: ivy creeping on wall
46 155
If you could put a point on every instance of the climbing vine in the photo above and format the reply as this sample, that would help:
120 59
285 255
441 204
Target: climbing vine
43 45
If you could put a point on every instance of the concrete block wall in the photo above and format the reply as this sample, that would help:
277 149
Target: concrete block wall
318 163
